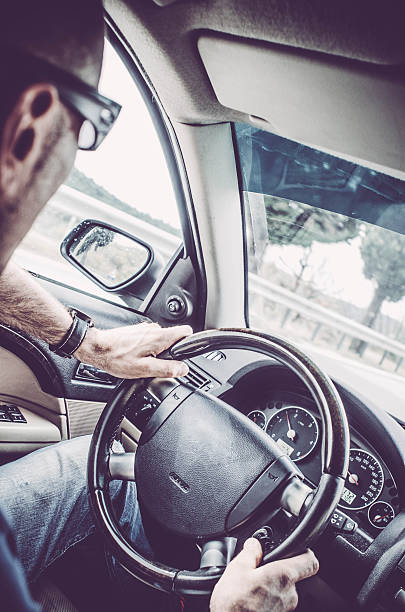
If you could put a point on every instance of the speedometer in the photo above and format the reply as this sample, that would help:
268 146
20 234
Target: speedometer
364 480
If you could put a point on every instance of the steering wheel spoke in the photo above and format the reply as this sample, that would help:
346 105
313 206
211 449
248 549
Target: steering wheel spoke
217 553
121 466
296 497
279 486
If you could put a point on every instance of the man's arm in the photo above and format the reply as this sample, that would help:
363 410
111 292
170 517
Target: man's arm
24 304
124 352
245 587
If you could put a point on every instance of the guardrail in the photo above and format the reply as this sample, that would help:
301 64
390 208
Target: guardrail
323 316
74 203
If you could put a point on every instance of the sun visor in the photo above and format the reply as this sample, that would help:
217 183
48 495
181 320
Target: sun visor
346 106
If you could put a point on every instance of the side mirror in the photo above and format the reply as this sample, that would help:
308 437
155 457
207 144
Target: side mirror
107 255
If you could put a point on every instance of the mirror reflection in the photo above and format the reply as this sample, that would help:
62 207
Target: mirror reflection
110 256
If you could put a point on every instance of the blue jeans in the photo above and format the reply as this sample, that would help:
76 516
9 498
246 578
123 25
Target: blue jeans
44 496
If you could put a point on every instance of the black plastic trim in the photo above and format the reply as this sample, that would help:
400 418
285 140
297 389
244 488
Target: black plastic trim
167 270
82 292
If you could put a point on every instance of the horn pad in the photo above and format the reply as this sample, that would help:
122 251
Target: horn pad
202 460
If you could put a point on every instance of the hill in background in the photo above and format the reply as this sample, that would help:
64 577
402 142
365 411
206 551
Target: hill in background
79 181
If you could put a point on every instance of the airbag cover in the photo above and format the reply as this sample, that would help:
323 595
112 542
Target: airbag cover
199 463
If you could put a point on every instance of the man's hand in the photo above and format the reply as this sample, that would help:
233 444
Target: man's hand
130 352
244 587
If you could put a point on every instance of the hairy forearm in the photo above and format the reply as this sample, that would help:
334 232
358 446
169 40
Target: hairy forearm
125 352
25 305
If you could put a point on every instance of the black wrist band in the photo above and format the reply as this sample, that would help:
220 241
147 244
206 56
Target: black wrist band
74 336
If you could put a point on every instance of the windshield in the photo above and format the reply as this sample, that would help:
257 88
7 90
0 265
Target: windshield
326 250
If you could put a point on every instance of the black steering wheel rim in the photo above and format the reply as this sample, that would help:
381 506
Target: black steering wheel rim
335 455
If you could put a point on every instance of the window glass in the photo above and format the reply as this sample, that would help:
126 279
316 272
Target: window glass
326 251
125 182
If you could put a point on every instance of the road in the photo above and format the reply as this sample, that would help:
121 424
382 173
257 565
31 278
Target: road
386 389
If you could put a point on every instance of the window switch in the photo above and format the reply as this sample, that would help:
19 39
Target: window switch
11 413
17 418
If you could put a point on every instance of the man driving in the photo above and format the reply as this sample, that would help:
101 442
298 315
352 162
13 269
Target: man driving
50 63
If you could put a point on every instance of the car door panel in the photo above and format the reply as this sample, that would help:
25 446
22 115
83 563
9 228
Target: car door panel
45 414
63 381
55 403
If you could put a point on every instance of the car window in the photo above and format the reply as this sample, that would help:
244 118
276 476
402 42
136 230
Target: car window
326 250
124 182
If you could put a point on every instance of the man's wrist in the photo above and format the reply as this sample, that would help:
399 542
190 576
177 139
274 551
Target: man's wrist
75 335
92 348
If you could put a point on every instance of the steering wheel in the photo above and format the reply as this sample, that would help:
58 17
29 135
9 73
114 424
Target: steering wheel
206 472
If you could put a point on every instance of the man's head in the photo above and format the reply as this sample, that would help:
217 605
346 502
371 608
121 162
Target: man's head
38 131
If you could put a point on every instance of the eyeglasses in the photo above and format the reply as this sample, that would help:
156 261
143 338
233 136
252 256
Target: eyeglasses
98 112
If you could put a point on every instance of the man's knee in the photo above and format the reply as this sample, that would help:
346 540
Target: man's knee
58 471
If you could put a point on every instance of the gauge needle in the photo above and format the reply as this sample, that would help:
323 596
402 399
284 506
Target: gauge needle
380 517
290 432
353 478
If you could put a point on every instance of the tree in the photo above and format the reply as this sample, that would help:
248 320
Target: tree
303 265
300 224
295 223
96 238
383 254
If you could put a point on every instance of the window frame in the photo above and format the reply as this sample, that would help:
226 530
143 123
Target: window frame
172 153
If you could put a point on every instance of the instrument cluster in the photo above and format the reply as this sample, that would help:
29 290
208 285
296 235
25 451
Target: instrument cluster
370 495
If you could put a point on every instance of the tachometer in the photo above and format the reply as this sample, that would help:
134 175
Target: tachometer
364 480
295 430
258 417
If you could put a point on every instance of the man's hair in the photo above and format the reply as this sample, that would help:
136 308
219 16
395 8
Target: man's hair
67 33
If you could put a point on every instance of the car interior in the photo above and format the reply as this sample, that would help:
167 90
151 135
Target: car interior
282 127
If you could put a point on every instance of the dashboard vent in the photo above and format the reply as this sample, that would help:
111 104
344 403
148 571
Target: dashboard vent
215 356
195 378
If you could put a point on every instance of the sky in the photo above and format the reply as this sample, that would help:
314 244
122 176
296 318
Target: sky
130 162
341 274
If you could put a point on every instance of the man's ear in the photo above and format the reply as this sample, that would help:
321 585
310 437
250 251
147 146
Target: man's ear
25 134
